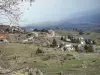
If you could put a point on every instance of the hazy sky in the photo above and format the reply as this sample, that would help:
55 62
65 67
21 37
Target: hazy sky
55 10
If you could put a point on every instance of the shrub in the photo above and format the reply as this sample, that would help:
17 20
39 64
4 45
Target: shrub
81 32
94 42
69 57
70 37
46 58
88 48
39 51
77 49
30 73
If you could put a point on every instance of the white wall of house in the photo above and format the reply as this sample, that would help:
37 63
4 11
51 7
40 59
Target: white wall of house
68 40
52 33
35 34
69 47
82 43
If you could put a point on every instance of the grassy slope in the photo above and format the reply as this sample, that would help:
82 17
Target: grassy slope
91 35
26 56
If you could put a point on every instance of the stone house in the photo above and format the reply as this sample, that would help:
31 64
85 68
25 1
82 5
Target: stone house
3 38
16 29
68 47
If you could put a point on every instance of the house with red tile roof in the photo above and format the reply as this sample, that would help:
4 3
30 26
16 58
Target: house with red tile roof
3 35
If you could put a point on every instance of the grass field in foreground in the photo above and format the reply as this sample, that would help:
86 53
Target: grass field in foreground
15 55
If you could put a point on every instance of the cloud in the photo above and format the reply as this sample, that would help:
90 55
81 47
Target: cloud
55 10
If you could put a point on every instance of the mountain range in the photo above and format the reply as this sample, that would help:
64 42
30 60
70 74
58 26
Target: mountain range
88 20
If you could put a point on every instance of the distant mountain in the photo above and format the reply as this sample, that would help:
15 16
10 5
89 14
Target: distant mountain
81 21
86 18
86 21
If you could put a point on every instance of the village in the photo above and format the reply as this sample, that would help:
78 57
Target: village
46 38
46 52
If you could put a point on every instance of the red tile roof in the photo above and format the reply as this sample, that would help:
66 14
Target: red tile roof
3 34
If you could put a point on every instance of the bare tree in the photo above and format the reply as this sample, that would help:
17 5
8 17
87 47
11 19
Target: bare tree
11 9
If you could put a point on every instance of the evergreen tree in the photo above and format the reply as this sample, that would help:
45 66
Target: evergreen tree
88 48
94 42
62 38
77 49
77 40
54 43
81 32
69 36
